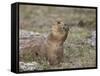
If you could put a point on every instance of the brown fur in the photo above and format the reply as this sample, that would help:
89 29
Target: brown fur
50 47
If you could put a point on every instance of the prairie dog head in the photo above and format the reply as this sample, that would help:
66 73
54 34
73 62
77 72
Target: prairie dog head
60 28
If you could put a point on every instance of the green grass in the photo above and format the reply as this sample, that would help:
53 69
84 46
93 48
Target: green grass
77 50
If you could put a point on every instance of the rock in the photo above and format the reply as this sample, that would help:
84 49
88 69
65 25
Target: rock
30 66
27 34
27 38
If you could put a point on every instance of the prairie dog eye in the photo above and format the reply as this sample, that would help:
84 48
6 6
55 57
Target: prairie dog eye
58 22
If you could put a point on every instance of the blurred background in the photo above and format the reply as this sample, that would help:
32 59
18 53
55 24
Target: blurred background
34 17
